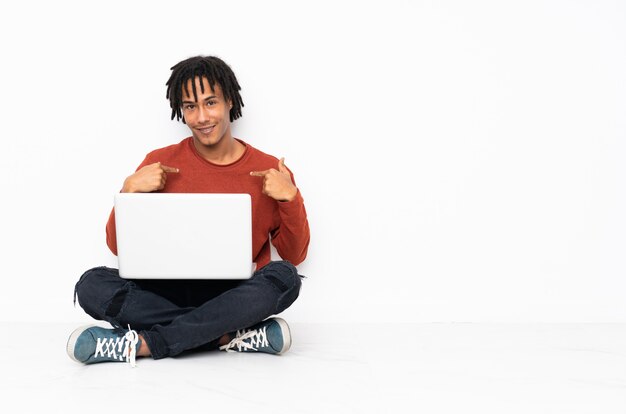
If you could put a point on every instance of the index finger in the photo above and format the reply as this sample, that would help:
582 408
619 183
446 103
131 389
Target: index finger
259 173
169 169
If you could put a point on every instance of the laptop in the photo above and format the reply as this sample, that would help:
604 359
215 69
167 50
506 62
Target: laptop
184 236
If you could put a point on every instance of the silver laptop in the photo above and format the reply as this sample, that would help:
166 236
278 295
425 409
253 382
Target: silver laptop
184 236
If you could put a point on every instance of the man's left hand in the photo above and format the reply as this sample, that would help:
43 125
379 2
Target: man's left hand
277 183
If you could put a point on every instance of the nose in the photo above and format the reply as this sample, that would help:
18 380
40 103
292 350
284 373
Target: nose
202 114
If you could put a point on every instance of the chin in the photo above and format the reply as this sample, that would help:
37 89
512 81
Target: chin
207 142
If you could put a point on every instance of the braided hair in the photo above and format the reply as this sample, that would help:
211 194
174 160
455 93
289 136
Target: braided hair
210 67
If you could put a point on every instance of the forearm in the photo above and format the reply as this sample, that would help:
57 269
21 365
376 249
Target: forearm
292 237
111 233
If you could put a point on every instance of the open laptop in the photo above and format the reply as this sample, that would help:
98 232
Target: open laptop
184 236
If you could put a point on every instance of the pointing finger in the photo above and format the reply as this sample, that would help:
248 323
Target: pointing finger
169 169
259 173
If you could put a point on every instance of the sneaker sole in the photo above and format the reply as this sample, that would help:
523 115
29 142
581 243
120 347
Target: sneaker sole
71 342
286 335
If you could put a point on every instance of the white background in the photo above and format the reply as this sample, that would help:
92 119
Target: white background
460 161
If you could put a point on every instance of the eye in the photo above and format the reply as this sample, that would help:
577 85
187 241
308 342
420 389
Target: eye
188 107
211 103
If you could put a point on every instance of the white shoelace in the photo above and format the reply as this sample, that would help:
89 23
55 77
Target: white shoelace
122 348
247 340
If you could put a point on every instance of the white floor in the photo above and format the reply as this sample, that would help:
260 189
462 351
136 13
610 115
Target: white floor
418 368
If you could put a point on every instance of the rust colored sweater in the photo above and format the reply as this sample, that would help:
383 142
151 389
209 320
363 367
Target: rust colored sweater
285 222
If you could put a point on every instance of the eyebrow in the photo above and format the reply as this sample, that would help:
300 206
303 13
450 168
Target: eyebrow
206 99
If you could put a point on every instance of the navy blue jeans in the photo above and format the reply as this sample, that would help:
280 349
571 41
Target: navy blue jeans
178 315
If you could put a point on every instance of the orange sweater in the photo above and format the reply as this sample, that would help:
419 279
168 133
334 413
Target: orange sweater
285 222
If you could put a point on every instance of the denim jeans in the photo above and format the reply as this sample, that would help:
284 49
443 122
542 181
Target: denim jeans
178 315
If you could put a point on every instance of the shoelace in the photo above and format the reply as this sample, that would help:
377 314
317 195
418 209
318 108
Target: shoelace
256 337
118 348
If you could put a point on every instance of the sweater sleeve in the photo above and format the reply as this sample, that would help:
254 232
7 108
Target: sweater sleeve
110 227
111 234
292 237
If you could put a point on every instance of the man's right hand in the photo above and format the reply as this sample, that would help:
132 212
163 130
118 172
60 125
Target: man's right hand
147 179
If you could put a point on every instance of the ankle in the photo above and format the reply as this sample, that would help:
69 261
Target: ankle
224 340
143 350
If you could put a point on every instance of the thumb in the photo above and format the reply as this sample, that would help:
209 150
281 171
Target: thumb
281 165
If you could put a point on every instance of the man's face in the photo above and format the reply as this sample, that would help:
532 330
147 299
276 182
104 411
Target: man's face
208 116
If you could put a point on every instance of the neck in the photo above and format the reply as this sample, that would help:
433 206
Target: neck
226 151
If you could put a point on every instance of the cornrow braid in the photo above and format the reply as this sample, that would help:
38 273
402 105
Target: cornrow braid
210 67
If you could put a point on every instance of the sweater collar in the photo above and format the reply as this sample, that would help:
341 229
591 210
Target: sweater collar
234 164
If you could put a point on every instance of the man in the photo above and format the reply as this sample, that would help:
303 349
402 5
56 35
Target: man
169 316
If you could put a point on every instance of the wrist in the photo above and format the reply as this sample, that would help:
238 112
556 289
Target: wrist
292 196
128 188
